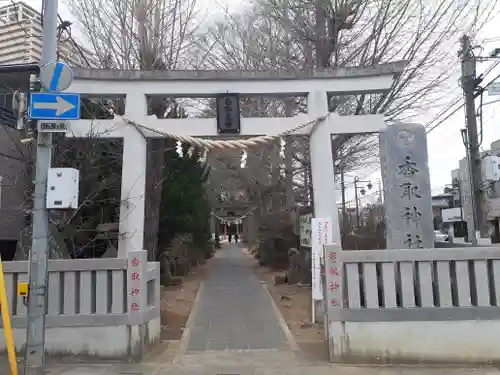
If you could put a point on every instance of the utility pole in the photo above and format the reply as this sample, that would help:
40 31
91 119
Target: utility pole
39 255
342 192
356 199
469 83
471 224
363 192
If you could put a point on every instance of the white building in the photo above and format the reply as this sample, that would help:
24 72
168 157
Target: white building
461 190
21 38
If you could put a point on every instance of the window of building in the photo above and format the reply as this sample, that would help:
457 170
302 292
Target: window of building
28 14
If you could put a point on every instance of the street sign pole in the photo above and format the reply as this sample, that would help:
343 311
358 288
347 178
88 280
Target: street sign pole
38 262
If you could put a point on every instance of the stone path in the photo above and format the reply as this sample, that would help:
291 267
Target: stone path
234 311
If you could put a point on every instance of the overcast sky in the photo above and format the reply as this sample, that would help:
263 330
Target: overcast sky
444 143
215 5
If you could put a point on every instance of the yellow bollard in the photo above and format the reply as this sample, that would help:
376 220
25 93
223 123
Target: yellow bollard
9 339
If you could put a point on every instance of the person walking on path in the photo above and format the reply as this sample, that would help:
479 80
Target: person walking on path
229 237
236 238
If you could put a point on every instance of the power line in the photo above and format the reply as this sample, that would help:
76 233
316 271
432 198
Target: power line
462 105
443 111
444 119
492 66
19 22
492 102
63 26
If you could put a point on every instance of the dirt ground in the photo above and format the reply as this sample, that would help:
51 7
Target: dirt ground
294 303
177 302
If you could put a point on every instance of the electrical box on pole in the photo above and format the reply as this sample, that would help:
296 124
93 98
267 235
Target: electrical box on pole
62 188
490 168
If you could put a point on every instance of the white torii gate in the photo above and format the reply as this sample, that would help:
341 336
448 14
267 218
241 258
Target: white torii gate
137 86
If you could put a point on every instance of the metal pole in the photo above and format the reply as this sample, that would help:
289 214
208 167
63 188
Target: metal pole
461 208
35 334
461 205
344 212
356 199
342 190
469 84
471 229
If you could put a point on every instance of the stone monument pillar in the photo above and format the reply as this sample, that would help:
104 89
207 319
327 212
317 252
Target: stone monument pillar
407 188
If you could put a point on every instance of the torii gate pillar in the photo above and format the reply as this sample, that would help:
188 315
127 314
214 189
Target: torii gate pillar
133 187
322 163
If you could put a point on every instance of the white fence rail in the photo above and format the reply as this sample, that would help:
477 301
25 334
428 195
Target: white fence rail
85 292
417 305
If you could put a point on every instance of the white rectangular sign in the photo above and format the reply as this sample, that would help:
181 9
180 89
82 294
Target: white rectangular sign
452 215
494 88
51 126
322 234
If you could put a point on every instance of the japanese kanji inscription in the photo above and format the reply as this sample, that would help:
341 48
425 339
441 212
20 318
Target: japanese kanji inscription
405 173
137 262
321 235
333 277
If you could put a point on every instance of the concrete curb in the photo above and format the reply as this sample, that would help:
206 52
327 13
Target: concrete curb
189 325
289 336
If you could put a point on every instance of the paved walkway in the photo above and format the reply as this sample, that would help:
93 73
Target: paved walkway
234 311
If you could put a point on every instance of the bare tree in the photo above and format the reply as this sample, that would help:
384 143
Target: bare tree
132 34
147 35
302 34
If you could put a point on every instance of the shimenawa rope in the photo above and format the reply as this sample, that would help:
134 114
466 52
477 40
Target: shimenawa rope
230 144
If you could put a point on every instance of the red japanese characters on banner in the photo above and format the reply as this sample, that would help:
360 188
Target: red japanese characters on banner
135 276
134 307
321 235
326 234
135 292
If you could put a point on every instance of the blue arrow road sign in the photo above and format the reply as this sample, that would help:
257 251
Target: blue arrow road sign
54 106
